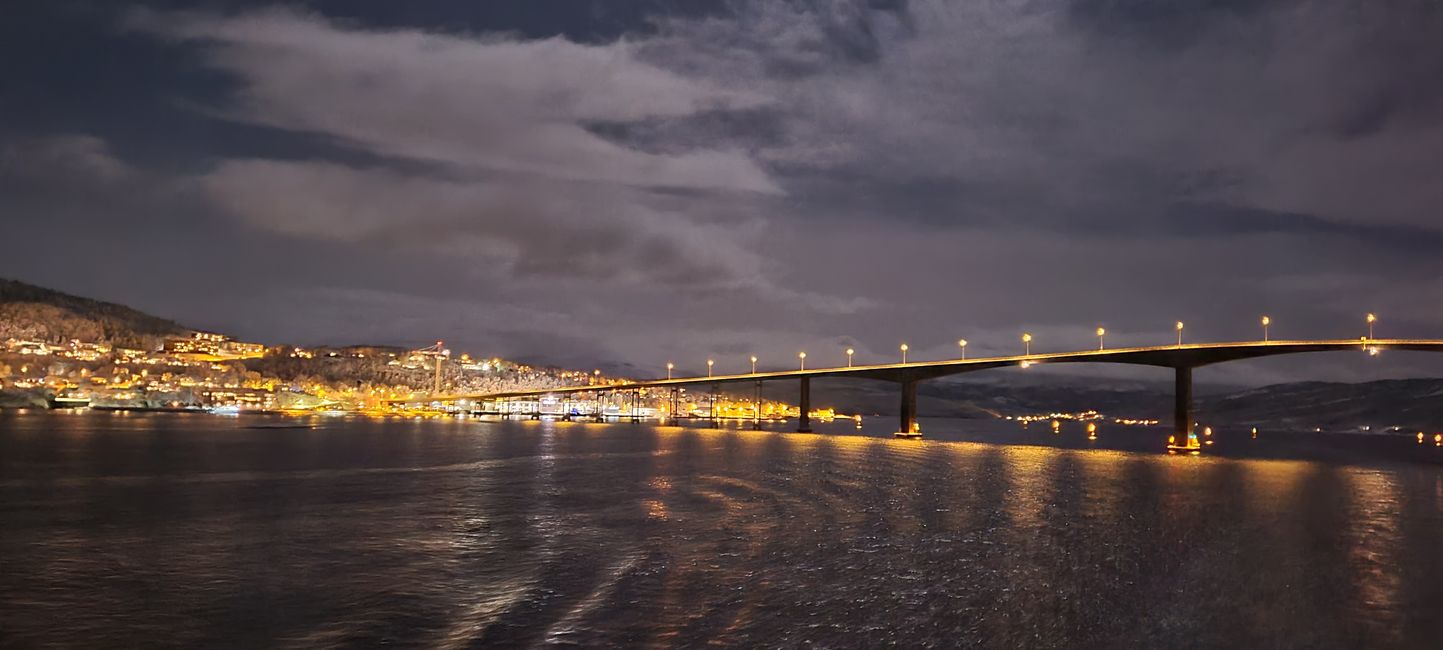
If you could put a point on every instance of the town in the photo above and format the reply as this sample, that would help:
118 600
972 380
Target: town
206 371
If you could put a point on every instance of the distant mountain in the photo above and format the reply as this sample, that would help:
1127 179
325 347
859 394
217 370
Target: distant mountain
29 312
1412 404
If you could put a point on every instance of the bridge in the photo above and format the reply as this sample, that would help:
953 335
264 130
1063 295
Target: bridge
1181 358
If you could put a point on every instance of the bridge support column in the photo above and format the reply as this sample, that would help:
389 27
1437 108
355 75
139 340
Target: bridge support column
907 412
757 408
1182 406
804 418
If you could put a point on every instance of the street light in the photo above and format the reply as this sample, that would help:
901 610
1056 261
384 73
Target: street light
803 357
1266 322
1100 333
904 353
850 352
669 366
1026 344
1179 333
754 364
709 364
962 343
1371 319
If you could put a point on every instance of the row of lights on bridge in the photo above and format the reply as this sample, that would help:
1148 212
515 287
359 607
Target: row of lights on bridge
1026 346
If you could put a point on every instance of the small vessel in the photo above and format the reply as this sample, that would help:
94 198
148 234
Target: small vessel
68 402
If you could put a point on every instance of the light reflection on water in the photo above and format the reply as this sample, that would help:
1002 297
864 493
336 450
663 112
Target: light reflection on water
181 530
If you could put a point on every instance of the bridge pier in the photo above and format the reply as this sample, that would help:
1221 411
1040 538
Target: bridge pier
804 418
907 411
757 408
1182 405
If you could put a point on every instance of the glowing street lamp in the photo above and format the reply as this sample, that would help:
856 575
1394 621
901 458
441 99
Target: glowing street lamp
850 352
1179 333
754 364
1266 322
1026 344
709 364
904 353
1371 319
803 357
669 366
1100 333
962 343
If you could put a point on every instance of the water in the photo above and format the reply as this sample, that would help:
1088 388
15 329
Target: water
185 530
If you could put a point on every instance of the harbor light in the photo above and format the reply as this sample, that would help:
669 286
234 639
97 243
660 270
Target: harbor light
1179 332
904 353
709 364
754 364
1266 322
962 343
850 352
1100 333
803 357
1371 319
1026 344
669 367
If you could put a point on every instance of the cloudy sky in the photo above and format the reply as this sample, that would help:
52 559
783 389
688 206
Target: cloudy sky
615 182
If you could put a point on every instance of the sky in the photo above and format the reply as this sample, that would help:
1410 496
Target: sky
622 183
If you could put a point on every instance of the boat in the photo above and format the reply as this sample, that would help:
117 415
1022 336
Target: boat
68 402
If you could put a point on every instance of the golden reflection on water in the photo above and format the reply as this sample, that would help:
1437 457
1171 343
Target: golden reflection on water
1373 554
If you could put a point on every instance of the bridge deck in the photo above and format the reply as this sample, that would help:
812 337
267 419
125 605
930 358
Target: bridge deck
1187 355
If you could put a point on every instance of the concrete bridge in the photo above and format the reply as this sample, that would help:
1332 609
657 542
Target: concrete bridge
1182 358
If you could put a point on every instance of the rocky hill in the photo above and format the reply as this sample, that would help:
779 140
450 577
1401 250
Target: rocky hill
28 312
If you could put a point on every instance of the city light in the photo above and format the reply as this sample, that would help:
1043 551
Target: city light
803 357
1026 345
1266 322
904 353
1100 333
962 343
850 352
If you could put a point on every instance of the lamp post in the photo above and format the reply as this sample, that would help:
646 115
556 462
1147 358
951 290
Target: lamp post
803 357
1266 322
1179 333
904 353
850 352
1371 319
754 364
962 343
1026 344
709 364
669 366
1100 333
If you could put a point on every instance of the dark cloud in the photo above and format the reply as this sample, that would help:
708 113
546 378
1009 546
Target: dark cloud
641 181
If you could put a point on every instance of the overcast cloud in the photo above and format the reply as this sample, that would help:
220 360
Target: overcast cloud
761 177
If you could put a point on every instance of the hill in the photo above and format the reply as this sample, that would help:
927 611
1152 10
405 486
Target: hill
28 312
1408 403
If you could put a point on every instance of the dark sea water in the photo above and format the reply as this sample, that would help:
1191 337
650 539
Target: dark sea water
191 530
